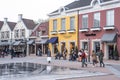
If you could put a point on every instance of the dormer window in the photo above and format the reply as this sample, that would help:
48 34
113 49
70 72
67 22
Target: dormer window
95 2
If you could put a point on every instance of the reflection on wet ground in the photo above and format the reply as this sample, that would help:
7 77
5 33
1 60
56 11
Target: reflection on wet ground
22 69
10 71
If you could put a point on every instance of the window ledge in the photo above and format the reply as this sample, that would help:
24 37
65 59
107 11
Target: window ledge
84 30
95 29
109 27
71 30
53 32
62 31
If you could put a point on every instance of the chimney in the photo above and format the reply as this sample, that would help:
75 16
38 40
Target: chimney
19 17
5 20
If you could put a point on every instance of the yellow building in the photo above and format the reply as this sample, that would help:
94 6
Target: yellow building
63 30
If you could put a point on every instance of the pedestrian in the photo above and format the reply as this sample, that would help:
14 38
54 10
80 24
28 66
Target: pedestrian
94 58
80 56
49 56
64 53
12 53
83 59
100 56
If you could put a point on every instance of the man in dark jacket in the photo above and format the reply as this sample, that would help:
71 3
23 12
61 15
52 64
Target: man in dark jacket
100 56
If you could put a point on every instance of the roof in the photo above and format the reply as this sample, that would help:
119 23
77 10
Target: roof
41 26
30 24
1 24
78 4
12 25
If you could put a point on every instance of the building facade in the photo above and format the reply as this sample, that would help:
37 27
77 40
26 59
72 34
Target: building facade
6 34
99 27
96 26
21 35
40 34
63 30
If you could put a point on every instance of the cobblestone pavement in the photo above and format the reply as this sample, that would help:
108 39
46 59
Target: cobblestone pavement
112 67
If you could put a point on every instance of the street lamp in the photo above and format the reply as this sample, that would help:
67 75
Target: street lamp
11 40
88 49
25 46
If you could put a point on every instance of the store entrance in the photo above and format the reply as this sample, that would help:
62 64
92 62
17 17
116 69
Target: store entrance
111 51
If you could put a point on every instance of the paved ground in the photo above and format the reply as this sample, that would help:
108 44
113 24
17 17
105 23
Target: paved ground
112 67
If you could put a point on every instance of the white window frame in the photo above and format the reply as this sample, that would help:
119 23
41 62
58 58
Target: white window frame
63 23
54 25
72 23
96 21
85 21
110 17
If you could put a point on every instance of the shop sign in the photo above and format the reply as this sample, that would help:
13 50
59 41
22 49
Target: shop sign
90 34
68 36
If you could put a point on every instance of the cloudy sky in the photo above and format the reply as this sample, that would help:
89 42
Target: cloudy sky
31 9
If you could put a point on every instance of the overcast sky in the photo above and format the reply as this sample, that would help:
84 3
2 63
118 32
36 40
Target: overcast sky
31 9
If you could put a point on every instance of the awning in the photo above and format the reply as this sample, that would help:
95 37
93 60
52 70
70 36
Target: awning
4 43
109 37
16 43
30 42
53 40
42 41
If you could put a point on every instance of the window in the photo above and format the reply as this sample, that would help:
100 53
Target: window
2 35
54 25
63 24
7 34
72 23
96 20
85 21
16 33
96 46
39 33
22 31
85 46
110 18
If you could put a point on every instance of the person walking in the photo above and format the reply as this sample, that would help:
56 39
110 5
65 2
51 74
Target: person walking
49 56
100 56
12 53
80 56
64 53
83 59
94 58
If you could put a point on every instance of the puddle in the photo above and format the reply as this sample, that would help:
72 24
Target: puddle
34 71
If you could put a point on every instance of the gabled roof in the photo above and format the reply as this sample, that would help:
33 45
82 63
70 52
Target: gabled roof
1 24
11 25
30 24
78 4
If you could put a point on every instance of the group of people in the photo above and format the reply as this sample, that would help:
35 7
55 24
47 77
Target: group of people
98 57
82 56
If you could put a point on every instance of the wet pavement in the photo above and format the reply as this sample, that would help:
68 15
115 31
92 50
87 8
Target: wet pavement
56 70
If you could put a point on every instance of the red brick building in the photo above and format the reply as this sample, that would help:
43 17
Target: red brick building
99 27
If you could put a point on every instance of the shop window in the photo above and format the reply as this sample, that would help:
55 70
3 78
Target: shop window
85 46
96 46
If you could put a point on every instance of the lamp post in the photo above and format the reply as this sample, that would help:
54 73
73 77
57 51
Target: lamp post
88 49
11 40
25 46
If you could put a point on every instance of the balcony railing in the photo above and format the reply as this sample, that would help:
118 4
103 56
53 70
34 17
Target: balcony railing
109 27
